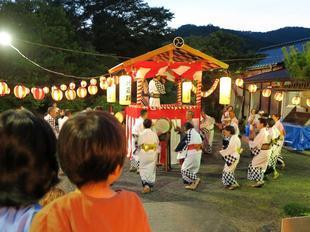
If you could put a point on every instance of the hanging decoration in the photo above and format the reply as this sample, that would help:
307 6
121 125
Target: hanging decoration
63 87
308 102
296 100
8 91
278 96
81 92
72 85
252 88
211 90
125 90
239 82
186 91
3 88
70 94
110 81
93 81
46 90
83 84
103 85
92 89
266 93
111 94
27 91
38 93
20 91
57 95
225 90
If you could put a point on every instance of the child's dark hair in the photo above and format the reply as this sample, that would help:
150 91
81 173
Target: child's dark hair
143 112
28 163
263 121
230 129
147 123
90 146
270 122
188 126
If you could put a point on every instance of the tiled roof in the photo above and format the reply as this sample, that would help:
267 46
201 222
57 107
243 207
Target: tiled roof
278 75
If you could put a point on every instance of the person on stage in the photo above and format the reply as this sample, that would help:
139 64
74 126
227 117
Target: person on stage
136 131
260 147
231 155
148 144
191 164
156 88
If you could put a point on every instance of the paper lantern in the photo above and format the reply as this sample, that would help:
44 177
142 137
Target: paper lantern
3 88
93 81
92 89
111 94
103 85
53 88
70 94
46 90
110 81
239 82
308 102
83 84
20 91
8 91
102 79
38 93
296 100
186 91
63 87
57 95
125 90
72 85
266 93
252 88
81 92
225 90
27 91
278 96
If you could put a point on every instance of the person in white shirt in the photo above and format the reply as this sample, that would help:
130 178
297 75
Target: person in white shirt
62 120
156 88
231 155
207 131
52 113
280 127
148 144
275 136
260 147
136 131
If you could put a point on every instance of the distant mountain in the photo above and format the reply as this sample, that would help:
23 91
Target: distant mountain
256 39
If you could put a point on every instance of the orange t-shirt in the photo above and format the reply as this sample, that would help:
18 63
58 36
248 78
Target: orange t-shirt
78 212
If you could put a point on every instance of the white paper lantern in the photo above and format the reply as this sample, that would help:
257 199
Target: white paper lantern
125 90
225 90
111 94
186 91
266 93
296 100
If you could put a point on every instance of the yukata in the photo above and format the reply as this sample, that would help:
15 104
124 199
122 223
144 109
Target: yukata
207 133
275 144
52 122
235 124
148 143
136 131
280 127
231 155
192 150
156 88
260 160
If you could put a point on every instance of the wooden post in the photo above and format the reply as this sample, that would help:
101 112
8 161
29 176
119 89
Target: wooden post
139 91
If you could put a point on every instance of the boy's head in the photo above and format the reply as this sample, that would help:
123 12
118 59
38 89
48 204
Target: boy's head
92 148
262 122
228 131
144 114
28 164
270 122
147 123
189 115
232 114
275 117
188 126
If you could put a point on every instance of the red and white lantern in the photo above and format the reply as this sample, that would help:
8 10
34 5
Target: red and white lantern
81 92
38 93
3 88
70 94
57 95
20 91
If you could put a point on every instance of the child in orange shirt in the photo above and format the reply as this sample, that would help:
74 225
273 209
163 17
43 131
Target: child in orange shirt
92 149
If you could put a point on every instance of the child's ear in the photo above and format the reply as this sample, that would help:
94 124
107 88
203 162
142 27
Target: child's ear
115 174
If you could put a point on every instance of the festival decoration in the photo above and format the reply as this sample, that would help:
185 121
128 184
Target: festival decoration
266 93
103 85
111 94
125 90
46 90
101 79
70 94
27 91
308 102
3 88
211 90
239 82
53 88
252 88
296 100
186 91
72 85
92 89
20 91
83 84
63 87
225 90
110 81
38 93
93 81
57 95
81 92
278 96
8 91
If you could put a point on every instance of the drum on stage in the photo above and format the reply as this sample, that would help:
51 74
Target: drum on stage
162 126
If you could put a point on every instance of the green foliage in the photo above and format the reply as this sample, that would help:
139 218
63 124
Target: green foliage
298 63
296 210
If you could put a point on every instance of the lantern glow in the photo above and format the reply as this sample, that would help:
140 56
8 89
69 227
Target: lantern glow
111 94
266 93
125 90
72 85
70 94
308 102
81 92
20 91
239 82
63 87
5 38
93 81
3 88
46 90
92 89
296 100
83 84
186 91
38 93
225 90
252 88
57 95
278 96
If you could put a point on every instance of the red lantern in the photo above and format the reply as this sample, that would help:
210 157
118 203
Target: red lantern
20 91
3 88
81 92
266 93
38 93
92 89
57 94
70 94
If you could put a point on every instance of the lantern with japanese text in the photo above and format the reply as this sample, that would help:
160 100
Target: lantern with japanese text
296 100
72 85
111 94
252 88
38 93
186 91
93 81
63 87
3 88
92 89
125 90
239 82
225 90
46 90
266 93
81 92
278 96
20 91
57 95
70 94
83 84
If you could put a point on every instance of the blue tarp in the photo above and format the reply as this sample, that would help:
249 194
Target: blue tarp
297 137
